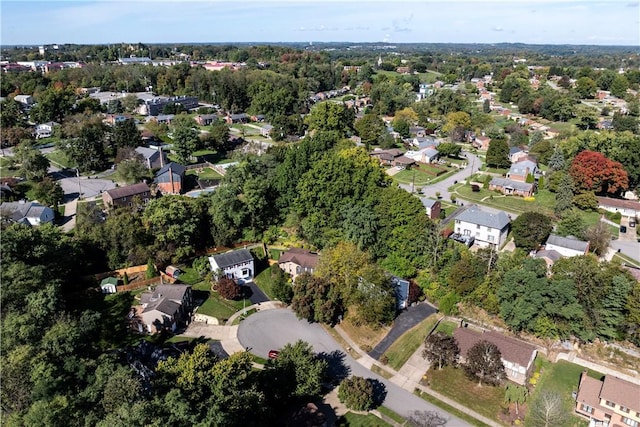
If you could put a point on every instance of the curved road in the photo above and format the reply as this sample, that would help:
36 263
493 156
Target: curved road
272 329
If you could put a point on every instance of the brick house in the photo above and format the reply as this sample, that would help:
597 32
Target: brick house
170 178
433 207
123 196
609 402
296 261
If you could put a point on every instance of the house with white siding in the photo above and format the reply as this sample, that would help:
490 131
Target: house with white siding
487 228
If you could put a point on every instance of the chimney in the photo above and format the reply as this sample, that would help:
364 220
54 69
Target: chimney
171 179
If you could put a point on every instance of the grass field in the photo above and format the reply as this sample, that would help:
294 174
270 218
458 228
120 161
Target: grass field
562 377
364 336
401 350
351 419
450 409
205 173
446 327
419 175
58 158
544 200
264 282
452 382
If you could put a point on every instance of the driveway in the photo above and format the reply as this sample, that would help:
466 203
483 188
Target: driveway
473 165
405 321
272 329
256 295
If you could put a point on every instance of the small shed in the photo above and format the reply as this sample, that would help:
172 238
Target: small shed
173 271
109 285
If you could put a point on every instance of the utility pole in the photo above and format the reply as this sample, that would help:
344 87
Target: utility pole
79 186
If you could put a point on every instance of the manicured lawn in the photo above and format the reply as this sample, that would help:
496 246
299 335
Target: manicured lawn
264 282
205 173
450 409
401 350
58 158
351 419
389 413
446 327
220 308
451 382
204 153
419 175
542 203
562 377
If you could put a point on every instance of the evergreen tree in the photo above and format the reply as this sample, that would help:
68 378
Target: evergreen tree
498 154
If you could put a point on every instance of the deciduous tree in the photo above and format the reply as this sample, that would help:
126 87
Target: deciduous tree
498 154
484 363
591 170
530 230
441 349
228 289
185 138
547 409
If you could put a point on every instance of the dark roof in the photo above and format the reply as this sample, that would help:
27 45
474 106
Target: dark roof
175 167
428 203
619 203
509 183
129 190
171 292
232 258
163 305
301 257
511 349
404 160
475 215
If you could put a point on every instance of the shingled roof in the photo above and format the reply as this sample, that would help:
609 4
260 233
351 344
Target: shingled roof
301 257
128 191
232 258
475 215
622 392
568 242
511 349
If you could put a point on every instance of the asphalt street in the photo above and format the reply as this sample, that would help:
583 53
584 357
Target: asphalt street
272 329
405 321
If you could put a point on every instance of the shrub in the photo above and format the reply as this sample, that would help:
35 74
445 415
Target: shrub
361 394
151 270
228 289
475 188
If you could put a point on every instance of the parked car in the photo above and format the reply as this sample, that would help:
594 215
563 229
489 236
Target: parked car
632 223
623 229
273 354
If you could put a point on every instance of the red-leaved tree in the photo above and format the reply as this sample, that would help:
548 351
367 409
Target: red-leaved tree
591 170
228 289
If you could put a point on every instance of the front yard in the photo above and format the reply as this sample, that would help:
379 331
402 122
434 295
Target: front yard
422 174
401 350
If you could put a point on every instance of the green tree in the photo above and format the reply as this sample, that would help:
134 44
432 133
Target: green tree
619 85
125 134
49 192
484 363
151 270
132 171
85 144
370 127
530 230
515 394
332 117
53 104
441 349
571 224
357 393
586 87
185 138
564 193
33 165
401 126
449 149
498 154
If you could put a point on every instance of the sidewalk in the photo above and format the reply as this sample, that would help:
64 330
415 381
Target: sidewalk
410 375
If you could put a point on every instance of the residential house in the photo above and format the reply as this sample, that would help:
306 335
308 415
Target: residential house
481 142
170 178
516 154
112 119
296 261
424 155
205 119
32 213
236 265
433 207
45 130
25 100
392 157
257 118
487 228
163 118
628 208
265 130
401 289
517 356
520 170
566 246
237 118
124 196
166 306
511 187
425 90
608 402
155 106
153 158
418 131
424 142
109 285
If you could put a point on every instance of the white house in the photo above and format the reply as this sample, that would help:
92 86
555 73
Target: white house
566 246
27 212
45 130
488 229
236 265
26 100
630 208
425 155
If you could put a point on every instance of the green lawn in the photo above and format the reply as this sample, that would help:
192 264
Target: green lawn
5 168
562 377
220 308
58 158
450 409
389 413
446 327
544 200
401 350
381 371
206 173
452 382
419 175
351 419
264 282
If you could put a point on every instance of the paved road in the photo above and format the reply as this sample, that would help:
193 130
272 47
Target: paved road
272 329
442 187
405 321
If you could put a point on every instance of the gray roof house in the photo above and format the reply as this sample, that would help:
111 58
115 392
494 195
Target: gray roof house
236 265
32 213
521 169
166 306
566 246
151 157
487 228
509 186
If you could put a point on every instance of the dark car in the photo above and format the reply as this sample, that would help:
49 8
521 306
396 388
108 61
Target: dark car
623 229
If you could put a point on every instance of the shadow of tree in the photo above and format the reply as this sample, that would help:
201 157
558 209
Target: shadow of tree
337 369
379 392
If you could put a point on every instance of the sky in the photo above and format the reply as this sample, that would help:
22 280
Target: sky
595 22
